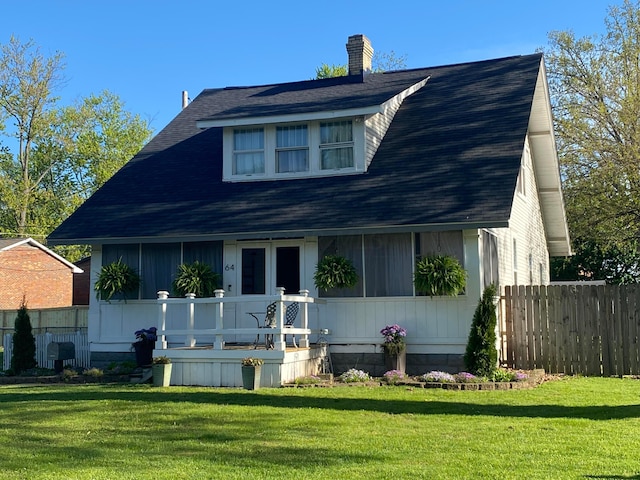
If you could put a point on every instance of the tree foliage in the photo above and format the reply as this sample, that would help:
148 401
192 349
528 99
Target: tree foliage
381 62
595 89
24 344
57 155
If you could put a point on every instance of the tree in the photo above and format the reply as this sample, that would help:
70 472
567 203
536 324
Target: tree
481 355
24 344
595 89
27 80
65 153
381 62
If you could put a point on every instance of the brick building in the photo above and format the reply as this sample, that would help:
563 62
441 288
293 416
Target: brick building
30 271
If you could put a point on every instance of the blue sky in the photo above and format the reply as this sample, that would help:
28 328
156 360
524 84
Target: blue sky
148 52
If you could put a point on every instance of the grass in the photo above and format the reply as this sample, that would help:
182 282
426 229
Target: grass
580 428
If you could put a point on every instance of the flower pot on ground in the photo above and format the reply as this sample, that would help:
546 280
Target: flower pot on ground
161 369
251 373
143 346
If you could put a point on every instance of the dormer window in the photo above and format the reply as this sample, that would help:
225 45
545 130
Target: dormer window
248 151
292 149
336 145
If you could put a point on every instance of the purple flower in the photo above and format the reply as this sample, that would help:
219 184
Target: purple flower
465 377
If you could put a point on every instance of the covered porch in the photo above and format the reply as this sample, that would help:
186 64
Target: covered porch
206 350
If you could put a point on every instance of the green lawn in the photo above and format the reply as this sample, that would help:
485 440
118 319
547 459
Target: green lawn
580 428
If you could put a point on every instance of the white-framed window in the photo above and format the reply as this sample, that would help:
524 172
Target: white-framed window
248 151
336 145
292 148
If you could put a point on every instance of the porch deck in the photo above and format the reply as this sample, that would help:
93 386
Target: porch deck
204 357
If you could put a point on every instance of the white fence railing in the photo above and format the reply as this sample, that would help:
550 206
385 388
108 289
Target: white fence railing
79 339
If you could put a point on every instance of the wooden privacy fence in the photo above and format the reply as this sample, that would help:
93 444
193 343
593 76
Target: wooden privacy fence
54 320
79 339
573 329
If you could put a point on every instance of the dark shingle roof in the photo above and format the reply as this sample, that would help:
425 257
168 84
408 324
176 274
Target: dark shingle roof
451 156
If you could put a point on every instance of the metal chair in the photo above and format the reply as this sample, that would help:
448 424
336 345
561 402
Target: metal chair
269 322
290 317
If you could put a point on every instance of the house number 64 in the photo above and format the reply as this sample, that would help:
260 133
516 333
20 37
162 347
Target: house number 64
228 267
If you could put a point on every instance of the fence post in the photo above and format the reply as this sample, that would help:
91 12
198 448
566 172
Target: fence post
219 339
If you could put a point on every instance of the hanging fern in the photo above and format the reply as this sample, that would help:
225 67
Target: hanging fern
334 271
116 278
440 275
196 278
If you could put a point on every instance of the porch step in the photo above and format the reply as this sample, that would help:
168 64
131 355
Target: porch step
141 377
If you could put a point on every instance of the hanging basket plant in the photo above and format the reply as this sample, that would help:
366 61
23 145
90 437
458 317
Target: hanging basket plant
440 275
334 271
196 278
117 278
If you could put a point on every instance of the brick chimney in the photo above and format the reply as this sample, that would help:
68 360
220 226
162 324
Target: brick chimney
360 55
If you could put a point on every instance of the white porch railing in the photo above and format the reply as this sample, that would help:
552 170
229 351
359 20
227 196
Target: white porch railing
220 331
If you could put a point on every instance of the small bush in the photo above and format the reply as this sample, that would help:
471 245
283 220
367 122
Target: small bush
353 376
24 343
393 377
481 355
308 380
465 377
436 376
93 372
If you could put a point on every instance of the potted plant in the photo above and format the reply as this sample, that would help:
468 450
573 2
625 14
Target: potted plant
251 370
144 344
116 278
438 275
197 278
161 369
334 271
394 347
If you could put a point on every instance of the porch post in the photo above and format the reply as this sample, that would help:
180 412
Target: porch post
304 341
279 343
190 340
218 343
161 341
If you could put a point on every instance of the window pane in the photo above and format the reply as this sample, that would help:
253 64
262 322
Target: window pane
332 158
248 139
350 247
388 265
294 136
292 161
441 243
253 271
336 132
209 253
159 265
247 163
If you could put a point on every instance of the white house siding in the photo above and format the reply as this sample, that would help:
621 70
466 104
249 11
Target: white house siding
375 128
527 229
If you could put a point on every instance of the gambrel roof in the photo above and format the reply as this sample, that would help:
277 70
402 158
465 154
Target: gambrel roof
449 160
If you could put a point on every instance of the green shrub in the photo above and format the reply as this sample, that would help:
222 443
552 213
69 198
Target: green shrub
24 344
116 278
439 275
481 355
334 271
196 278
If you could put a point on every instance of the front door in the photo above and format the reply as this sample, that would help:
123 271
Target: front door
267 265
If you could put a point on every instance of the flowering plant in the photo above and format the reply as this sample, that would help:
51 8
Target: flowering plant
465 377
394 342
353 375
147 335
437 376
393 377
252 362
